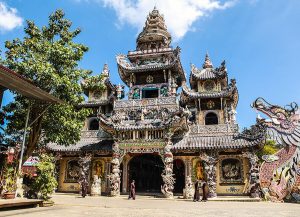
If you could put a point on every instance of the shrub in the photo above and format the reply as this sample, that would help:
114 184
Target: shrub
45 182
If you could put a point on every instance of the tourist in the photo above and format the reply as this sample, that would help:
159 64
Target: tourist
196 194
204 190
132 190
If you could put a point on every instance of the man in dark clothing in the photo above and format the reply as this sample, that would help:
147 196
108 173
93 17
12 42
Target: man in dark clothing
132 191
205 190
196 194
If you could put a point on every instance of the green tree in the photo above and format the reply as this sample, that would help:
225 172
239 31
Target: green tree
45 183
269 148
48 57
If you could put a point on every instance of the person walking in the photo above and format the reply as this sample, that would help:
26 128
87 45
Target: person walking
196 194
132 190
205 191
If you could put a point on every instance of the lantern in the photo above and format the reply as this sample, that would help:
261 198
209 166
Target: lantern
10 154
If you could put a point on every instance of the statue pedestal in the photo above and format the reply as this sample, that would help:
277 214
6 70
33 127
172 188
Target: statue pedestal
96 192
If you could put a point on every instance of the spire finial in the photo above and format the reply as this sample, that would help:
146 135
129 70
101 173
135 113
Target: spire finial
105 70
207 62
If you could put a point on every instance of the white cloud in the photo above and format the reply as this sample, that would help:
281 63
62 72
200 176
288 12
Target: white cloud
180 15
9 18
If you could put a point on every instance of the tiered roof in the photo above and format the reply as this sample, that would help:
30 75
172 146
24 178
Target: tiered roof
153 51
207 72
154 32
222 136
227 92
99 83
127 66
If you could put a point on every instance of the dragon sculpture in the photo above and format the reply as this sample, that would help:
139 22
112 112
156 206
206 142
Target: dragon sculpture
280 173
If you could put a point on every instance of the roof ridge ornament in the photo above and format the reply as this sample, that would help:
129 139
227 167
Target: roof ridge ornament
207 63
105 70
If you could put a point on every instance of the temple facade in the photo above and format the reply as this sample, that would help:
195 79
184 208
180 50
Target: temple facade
169 132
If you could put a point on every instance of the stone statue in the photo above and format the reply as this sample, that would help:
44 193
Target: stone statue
136 93
20 189
232 112
164 91
96 186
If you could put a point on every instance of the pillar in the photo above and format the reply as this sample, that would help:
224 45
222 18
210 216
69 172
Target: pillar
167 175
211 160
85 163
114 176
188 191
254 174
125 175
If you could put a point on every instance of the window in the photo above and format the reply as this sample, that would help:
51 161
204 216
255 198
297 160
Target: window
211 119
94 124
150 93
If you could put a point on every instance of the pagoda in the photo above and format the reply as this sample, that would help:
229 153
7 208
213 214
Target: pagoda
168 133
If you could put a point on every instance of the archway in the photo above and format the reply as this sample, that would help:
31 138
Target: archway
179 171
146 170
211 119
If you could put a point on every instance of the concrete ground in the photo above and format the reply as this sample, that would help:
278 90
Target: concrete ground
74 205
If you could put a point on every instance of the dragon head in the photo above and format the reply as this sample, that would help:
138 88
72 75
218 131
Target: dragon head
282 119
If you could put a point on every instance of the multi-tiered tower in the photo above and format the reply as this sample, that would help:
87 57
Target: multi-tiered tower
147 121
211 98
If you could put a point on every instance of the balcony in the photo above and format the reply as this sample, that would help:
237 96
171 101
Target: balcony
216 130
151 102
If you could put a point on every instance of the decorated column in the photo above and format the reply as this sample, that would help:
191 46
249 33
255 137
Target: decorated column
84 162
188 192
254 174
211 161
167 175
114 177
125 170
57 159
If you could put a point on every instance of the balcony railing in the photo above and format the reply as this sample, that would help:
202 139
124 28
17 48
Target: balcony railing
214 129
137 103
89 133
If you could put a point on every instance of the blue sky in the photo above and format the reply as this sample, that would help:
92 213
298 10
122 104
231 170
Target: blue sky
259 39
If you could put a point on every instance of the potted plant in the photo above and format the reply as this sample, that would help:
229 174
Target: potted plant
10 185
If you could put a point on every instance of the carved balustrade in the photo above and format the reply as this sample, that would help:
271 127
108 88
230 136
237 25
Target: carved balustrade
89 133
228 129
163 102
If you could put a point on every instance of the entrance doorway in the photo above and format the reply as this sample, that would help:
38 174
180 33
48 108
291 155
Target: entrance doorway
146 170
178 170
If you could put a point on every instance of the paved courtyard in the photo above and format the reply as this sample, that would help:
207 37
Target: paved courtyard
73 205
